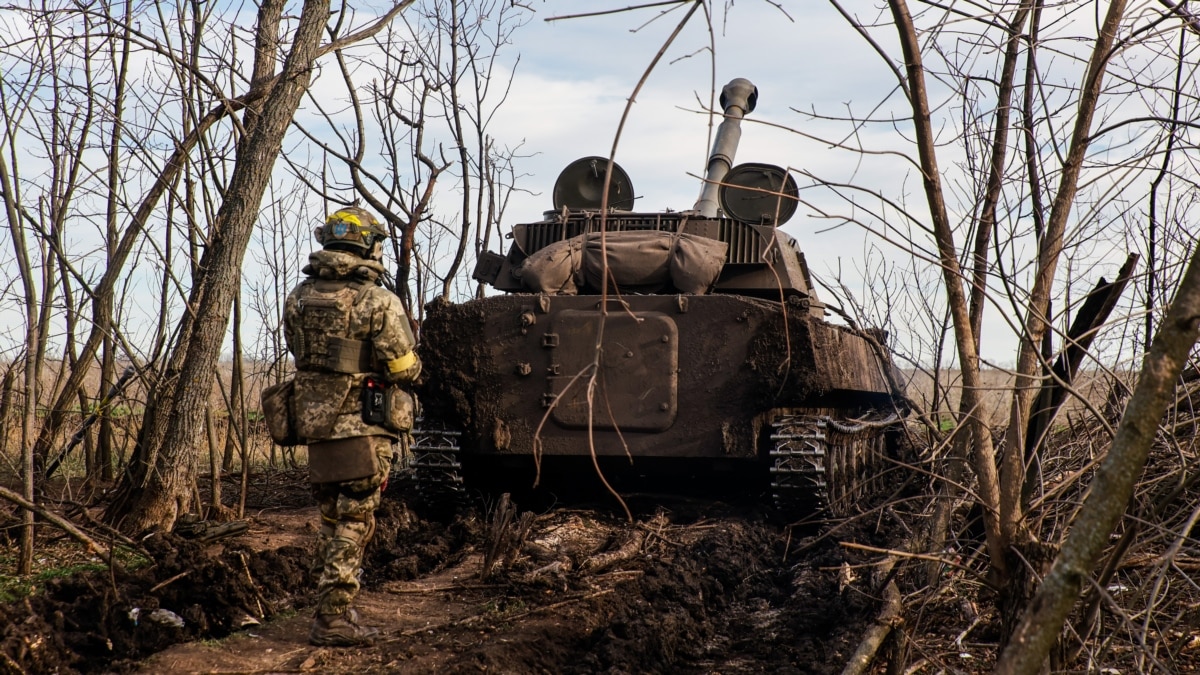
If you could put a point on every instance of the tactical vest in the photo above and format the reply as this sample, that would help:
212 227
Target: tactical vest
324 320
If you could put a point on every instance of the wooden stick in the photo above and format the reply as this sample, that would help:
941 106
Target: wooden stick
917 556
444 588
514 617
162 584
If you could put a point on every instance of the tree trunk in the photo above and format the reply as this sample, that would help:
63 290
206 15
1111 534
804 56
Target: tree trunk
235 432
7 387
157 486
984 455
104 436
214 464
29 411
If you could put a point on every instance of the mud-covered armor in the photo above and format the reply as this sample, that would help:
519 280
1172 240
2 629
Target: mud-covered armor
638 349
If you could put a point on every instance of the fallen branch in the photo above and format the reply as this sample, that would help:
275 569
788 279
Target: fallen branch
78 511
60 522
918 556
628 549
553 568
1154 559
163 584
889 617
451 588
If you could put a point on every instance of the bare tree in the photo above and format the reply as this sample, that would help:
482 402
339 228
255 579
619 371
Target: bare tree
423 118
25 564
1024 142
36 272
158 486
1113 485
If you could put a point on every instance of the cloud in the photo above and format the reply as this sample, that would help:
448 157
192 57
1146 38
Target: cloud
575 77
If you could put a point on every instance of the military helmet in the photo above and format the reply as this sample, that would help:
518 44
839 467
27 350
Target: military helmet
351 229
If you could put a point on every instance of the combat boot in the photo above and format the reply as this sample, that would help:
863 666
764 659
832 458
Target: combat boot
340 630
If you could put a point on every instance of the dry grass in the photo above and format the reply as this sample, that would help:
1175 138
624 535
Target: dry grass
125 414
1091 390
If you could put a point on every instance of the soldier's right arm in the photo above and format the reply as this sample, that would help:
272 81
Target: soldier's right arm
394 342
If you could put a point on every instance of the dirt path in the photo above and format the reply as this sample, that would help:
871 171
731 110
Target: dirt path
409 614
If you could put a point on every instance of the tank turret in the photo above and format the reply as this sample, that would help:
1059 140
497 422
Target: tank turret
729 243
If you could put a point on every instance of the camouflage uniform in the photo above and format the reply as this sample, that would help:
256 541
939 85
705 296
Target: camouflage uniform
342 326
347 524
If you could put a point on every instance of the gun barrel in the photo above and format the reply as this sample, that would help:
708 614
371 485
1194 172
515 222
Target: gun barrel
738 99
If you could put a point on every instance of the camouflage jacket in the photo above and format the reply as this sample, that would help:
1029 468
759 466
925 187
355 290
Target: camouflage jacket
340 326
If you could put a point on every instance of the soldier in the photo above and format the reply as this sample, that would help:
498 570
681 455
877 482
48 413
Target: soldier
354 350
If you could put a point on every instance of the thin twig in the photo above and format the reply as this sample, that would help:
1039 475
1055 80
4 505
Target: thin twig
474 617
450 588
159 586
918 556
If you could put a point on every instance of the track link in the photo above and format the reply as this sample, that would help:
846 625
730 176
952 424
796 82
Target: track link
436 471
825 464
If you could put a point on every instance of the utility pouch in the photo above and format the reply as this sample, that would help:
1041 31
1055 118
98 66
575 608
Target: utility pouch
277 406
342 460
401 408
374 399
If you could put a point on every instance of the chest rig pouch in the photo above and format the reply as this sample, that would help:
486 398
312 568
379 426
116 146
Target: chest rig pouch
324 322
327 360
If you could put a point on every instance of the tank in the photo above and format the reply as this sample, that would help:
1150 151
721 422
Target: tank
665 345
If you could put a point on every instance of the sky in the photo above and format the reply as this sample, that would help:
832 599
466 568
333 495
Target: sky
573 78
576 75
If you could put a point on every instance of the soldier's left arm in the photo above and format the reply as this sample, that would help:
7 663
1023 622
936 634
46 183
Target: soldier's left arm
290 314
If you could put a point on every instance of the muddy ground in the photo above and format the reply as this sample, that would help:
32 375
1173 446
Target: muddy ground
688 586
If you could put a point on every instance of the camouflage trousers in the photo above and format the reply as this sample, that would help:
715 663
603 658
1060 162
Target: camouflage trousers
347 524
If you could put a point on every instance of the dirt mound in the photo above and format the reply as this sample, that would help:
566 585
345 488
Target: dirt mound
91 620
698 587
713 590
182 590
730 597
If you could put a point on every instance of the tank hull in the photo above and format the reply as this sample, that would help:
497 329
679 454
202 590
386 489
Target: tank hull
653 376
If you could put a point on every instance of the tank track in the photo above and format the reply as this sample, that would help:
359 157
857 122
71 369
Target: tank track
825 465
436 472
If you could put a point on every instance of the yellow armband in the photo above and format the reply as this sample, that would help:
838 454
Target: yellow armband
402 364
